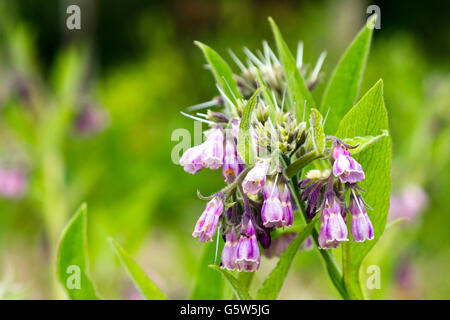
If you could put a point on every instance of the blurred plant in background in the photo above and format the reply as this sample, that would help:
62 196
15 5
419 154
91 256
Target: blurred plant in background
123 81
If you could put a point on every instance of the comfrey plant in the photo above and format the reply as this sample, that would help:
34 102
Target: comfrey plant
267 134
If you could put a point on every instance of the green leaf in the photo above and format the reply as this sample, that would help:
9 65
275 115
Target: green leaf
343 86
297 90
72 260
240 292
222 73
245 147
245 279
273 284
209 284
146 287
368 117
317 134
364 142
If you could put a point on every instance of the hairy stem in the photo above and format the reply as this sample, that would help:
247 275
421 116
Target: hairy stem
333 269
300 163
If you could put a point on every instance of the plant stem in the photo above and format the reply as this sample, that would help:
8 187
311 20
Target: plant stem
330 263
300 163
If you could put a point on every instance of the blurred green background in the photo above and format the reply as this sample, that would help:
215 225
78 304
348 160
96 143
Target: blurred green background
87 115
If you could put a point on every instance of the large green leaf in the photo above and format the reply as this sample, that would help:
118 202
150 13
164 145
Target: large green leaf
273 284
343 86
297 90
240 292
368 118
72 260
246 147
209 284
222 73
142 282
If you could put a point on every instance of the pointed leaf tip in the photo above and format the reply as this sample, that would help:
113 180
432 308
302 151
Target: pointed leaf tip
372 20
238 290
143 283
72 259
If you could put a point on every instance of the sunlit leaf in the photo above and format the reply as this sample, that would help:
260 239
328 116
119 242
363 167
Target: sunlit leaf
246 147
317 133
142 282
297 90
72 260
238 289
343 86
209 284
222 73
368 117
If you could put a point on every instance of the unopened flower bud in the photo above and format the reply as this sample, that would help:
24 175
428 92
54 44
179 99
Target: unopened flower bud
362 228
230 250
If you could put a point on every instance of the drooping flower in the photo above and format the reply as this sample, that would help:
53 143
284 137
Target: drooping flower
232 163
345 167
277 208
333 229
206 226
256 178
288 212
247 255
13 183
362 228
192 159
313 194
209 154
230 250
212 156
272 209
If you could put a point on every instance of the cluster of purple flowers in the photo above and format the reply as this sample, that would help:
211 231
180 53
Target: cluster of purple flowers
327 196
257 197
217 151
264 202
